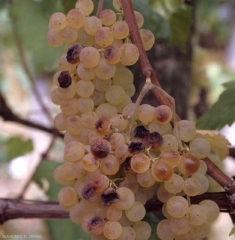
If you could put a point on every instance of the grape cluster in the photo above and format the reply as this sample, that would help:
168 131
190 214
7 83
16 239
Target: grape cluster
117 154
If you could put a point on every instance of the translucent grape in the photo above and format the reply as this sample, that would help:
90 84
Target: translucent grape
73 125
93 224
130 54
54 38
119 122
171 156
139 19
162 114
148 39
107 17
74 151
58 177
169 142
196 215
67 196
189 164
123 77
86 6
67 93
140 163
160 128
66 171
69 106
112 230
200 147
187 130
85 88
104 37
92 25
106 110
98 98
177 206
146 179
89 119
69 34
116 140
100 182
113 213
126 198
175 184
84 38
85 105
211 208
202 168
179 226
192 187
128 233
90 163
85 73
112 54
163 195
103 126
145 113
203 181
104 70
142 229
164 231
89 57
75 18
161 171
101 85
201 231
115 95
109 165
117 4
120 29
136 212
57 21
59 122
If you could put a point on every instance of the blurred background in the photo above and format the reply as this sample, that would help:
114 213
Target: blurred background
194 55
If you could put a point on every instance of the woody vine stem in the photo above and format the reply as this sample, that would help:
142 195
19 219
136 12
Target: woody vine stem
18 208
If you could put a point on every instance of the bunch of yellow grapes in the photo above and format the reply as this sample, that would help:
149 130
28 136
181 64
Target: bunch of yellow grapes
111 167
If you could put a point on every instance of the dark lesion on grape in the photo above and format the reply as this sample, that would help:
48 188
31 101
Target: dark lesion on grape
135 147
64 79
109 197
73 54
95 221
100 148
88 190
127 164
154 141
141 132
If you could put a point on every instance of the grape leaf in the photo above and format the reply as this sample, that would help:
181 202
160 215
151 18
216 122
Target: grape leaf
68 5
67 229
180 23
219 144
232 232
16 146
31 25
221 113
153 221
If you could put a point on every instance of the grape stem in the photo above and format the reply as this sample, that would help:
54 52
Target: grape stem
147 71
18 208
100 8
